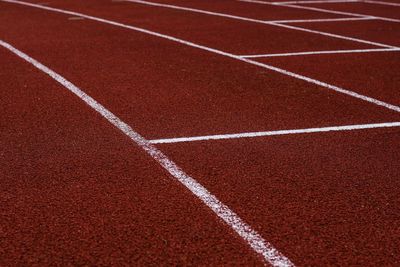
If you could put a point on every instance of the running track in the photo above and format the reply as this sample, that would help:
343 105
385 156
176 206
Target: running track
200 133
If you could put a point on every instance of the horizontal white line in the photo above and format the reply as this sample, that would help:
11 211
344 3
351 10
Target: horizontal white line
323 52
256 242
259 21
381 3
320 20
272 133
314 2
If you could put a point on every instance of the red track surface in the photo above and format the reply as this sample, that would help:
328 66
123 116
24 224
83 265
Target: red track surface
349 71
76 191
374 30
363 8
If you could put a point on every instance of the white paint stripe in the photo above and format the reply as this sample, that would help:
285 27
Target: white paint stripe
321 10
381 3
272 133
320 20
342 13
322 52
256 242
315 2
259 21
219 52
334 35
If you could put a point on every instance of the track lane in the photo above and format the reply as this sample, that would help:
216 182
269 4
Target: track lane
373 30
265 12
374 74
76 191
193 98
212 31
391 12
333 196
60 43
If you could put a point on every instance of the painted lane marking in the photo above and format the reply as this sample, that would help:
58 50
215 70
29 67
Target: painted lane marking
321 10
320 20
256 242
261 22
322 52
274 133
380 3
219 52
314 2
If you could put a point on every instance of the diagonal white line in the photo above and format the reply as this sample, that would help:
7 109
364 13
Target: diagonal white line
341 12
333 35
320 20
273 133
256 242
323 52
219 52
320 10
380 3
259 21
315 2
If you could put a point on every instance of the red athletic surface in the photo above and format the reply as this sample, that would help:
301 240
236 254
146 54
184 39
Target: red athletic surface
212 31
193 98
323 199
350 71
362 8
384 32
262 12
76 191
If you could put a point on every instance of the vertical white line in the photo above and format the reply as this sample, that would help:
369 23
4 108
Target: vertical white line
256 242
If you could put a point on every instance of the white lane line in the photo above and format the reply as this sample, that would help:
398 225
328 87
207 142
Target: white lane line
380 3
334 35
320 20
219 52
256 242
343 13
315 2
321 10
272 133
322 52
260 21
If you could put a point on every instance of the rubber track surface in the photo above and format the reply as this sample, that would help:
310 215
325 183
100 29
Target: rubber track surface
74 190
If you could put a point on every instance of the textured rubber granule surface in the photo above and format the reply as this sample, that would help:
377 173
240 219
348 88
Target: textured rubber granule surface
362 8
75 191
197 92
372 74
325 199
262 12
216 32
385 32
